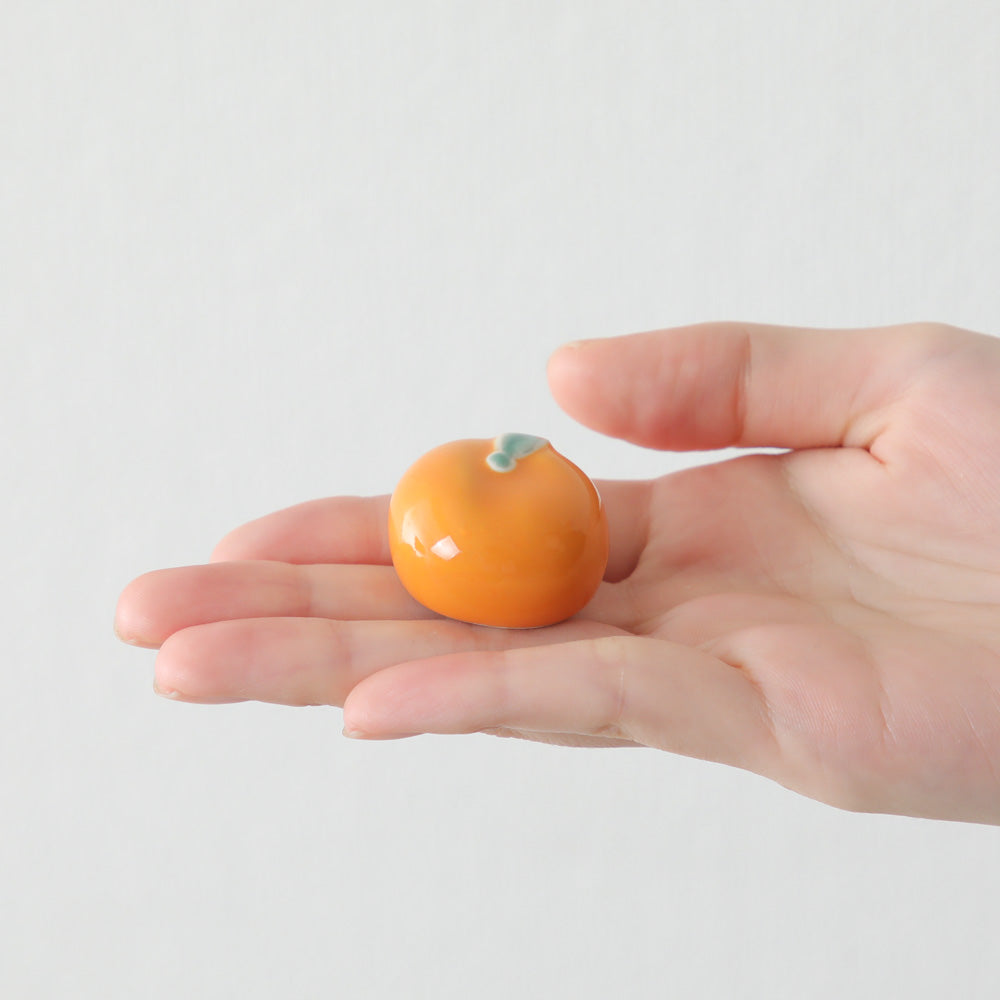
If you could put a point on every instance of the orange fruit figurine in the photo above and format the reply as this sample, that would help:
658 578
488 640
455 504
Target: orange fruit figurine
505 532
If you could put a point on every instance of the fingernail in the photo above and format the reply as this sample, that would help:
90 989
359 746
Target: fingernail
119 634
132 639
165 692
360 734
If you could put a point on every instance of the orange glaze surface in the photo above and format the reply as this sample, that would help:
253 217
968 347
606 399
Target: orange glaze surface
518 548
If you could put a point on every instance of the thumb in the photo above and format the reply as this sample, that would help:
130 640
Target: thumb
717 385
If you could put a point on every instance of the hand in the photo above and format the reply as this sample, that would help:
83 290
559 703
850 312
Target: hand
828 617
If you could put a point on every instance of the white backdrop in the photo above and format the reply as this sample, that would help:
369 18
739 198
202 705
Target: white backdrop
254 253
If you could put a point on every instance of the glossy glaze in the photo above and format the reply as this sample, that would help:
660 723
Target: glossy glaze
502 532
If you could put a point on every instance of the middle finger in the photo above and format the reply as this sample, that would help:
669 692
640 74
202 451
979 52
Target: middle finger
158 604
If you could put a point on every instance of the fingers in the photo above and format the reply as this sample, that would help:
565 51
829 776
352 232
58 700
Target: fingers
157 604
314 661
717 385
328 559
332 530
621 687
341 530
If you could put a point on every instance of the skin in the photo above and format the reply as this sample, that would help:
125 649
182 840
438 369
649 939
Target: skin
828 617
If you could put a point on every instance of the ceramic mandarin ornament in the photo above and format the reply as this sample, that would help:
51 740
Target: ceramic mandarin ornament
503 532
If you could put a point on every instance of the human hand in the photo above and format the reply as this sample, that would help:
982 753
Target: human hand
828 617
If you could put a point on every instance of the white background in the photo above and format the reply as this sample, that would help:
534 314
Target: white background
253 253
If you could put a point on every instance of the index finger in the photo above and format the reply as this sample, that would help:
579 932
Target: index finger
345 529
352 529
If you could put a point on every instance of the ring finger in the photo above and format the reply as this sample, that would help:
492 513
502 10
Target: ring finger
317 661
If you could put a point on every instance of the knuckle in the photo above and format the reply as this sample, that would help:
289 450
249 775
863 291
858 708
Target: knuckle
613 667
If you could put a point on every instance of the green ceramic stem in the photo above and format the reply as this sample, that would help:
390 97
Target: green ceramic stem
511 447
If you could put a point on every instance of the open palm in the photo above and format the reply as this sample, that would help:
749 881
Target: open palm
828 616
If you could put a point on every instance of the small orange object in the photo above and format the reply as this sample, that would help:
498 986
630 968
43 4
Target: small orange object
505 532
